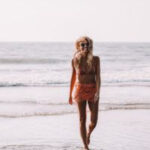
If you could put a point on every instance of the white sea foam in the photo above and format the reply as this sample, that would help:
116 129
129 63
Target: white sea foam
45 101
35 64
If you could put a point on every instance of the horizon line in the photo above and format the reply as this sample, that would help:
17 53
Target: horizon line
73 41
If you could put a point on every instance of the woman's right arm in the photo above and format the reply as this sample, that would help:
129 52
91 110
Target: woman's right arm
73 78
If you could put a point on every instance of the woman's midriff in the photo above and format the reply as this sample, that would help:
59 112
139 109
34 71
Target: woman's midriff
87 78
84 91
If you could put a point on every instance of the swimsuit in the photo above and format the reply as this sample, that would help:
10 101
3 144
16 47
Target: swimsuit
84 91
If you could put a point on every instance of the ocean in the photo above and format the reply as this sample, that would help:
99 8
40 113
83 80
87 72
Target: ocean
34 92
35 77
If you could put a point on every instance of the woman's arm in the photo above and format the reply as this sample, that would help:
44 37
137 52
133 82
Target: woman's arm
73 78
98 78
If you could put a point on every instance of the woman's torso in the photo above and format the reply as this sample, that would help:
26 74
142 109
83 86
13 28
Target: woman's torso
85 76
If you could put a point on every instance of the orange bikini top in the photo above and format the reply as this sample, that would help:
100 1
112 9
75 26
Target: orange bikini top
82 72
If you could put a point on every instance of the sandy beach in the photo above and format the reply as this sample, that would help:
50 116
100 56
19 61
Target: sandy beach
116 129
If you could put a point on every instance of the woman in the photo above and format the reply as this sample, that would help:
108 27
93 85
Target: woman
86 80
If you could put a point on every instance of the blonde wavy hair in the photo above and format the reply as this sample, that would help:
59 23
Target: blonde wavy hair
90 48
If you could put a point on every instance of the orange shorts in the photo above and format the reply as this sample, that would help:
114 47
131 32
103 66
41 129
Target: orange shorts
84 91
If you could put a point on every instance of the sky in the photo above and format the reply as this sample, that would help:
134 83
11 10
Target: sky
66 20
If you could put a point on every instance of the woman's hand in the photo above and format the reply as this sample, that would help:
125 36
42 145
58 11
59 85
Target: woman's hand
70 100
96 97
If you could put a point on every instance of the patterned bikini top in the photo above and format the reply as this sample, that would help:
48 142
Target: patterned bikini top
82 71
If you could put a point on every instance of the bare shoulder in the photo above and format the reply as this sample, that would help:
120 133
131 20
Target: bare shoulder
96 59
72 61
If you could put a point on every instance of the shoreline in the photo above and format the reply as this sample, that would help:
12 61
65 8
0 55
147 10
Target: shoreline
116 129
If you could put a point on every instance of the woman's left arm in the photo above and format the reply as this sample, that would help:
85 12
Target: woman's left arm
98 78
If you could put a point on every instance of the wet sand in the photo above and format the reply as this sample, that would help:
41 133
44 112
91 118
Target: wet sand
116 129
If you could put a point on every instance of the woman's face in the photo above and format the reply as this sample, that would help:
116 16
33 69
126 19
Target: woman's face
84 46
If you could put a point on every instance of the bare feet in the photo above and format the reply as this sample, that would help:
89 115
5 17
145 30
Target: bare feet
86 148
88 139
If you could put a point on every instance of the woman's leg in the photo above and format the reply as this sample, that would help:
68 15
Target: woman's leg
93 107
82 118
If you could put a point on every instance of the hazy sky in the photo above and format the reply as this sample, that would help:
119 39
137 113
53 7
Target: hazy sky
66 20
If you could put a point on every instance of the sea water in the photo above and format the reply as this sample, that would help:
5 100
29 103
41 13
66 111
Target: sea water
35 77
